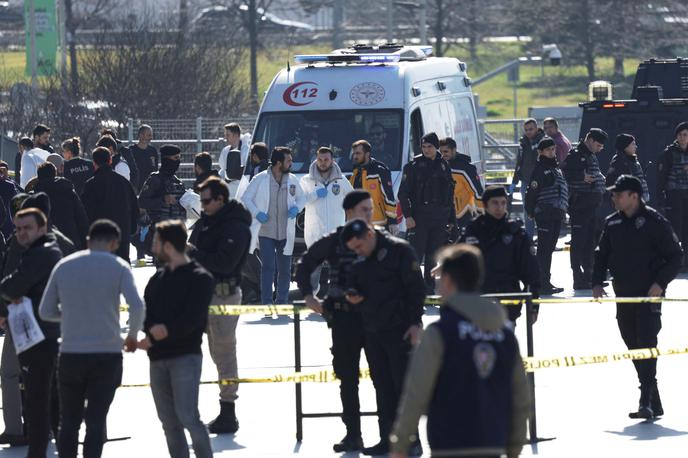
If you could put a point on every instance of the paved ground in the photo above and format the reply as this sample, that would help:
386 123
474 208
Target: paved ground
583 408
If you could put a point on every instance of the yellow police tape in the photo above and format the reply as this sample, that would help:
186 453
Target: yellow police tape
498 173
529 364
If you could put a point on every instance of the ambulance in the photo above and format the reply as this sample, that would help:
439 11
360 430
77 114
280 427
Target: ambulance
389 95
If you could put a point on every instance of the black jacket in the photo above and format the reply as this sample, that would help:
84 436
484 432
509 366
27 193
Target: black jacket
147 162
178 299
152 197
8 189
527 157
427 190
544 176
233 167
508 254
202 177
391 282
109 195
637 251
664 166
580 161
31 276
339 259
623 164
78 170
66 210
222 241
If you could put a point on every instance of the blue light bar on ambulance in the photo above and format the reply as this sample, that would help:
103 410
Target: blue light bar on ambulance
335 58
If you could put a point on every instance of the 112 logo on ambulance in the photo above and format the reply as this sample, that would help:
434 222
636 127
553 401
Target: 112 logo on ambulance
300 94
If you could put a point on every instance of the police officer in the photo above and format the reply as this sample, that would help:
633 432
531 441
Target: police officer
346 322
546 201
387 285
508 252
586 188
426 195
456 388
672 183
467 185
637 235
625 162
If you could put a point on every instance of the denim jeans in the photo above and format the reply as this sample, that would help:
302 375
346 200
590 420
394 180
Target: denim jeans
87 385
529 223
272 258
174 383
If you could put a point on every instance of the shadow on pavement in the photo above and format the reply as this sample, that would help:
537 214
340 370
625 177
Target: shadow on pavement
222 442
647 430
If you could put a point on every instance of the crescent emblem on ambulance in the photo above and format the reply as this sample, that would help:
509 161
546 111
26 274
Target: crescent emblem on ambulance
293 92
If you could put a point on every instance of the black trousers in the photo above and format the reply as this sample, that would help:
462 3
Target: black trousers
87 384
426 239
639 325
388 355
677 202
583 230
548 226
40 408
348 339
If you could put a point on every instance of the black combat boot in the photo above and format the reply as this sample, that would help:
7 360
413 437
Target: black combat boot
656 403
645 404
352 442
226 422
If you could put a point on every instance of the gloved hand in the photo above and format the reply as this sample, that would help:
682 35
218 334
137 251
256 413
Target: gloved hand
262 217
293 212
512 187
321 192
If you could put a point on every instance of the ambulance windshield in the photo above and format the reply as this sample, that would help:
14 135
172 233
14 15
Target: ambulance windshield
305 131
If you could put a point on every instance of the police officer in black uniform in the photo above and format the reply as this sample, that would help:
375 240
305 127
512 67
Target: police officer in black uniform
672 184
346 322
426 195
642 253
388 286
546 201
586 188
625 162
508 252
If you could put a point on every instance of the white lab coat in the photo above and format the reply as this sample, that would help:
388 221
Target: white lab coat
245 148
30 161
257 199
323 215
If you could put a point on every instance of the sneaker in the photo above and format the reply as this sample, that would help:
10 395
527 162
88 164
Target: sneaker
381 448
14 440
348 444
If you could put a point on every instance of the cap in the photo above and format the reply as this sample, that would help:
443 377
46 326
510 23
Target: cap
598 135
545 143
627 183
432 139
169 150
354 198
682 126
354 228
494 191
623 140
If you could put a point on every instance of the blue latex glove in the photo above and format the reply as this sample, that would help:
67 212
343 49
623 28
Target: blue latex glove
512 188
262 217
321 192
293 212
144 233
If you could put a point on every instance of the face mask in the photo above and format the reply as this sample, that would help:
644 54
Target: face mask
168 166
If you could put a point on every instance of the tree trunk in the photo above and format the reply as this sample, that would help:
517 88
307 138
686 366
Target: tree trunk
337 19
618 67
473 34
71 41
183 16
588 43
253 38
439 28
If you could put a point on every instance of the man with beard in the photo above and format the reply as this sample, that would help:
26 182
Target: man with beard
145 156
274 198
108 195
41 138
525 163
162 190
203 169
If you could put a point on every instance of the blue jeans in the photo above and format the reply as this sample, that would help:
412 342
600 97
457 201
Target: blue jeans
174 383
529 223
272 258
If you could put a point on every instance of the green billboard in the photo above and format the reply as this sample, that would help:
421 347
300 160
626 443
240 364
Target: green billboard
45 20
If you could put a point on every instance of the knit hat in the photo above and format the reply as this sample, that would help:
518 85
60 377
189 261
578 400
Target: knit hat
169 150
39 200
545 143
354 198
682 126
598 135
432 139
494 191
623 140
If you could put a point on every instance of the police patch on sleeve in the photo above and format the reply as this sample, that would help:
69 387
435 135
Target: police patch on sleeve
292 189
639 222
534 184
484 357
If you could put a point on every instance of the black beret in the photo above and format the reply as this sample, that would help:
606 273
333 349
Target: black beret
598 135
169 150
545 143
494 191
354 228
354 198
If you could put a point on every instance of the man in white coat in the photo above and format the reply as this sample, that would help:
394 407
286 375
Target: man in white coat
325 187
234 156
275 198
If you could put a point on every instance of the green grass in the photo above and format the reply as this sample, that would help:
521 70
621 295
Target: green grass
564 85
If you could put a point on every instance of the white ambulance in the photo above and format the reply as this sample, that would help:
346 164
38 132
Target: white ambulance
389 95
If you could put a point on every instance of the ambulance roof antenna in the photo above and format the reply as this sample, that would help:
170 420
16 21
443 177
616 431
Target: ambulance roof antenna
288 66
